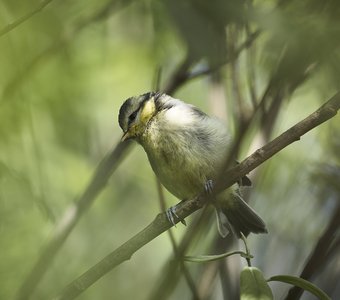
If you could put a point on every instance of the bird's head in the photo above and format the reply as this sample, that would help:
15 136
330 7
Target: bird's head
135 114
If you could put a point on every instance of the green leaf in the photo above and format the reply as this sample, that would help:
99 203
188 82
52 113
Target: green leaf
254 286
302 283
207 258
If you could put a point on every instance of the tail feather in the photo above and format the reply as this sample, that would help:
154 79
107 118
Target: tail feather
235 215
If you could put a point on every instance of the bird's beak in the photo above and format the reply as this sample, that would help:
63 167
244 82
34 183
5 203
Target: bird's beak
130 133
125 136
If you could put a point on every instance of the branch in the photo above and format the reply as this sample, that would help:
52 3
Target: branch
24 18
184 209
321 115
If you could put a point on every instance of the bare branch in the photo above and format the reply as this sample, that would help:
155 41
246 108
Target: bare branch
324 113
184 209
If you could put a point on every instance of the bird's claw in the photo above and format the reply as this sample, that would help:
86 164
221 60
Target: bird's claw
209 186
171 214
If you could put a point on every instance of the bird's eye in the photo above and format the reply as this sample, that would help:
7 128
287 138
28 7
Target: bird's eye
132 117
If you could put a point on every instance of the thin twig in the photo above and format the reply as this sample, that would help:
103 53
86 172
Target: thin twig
324 113
248 256
9 27
161 224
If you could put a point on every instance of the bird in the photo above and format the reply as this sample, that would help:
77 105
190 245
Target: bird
186 149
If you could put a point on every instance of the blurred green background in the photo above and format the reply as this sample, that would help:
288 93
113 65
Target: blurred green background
66 71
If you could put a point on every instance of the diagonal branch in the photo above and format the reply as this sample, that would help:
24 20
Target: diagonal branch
184 209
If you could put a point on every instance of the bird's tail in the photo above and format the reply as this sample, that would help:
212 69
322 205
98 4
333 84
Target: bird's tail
236 216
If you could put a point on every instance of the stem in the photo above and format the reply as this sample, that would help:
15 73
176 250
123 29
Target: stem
248 256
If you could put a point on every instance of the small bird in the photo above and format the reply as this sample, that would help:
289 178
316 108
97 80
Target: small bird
186 149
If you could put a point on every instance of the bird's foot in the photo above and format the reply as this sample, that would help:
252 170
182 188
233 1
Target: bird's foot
171 214
209 186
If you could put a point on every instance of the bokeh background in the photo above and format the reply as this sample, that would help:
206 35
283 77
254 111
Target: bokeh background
66 70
